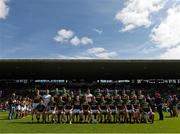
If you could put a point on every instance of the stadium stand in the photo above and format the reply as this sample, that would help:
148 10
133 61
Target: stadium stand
89 91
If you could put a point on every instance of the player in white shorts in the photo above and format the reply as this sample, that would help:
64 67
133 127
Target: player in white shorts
18 109
103 110
77 113
35 103
112 110
52 110
46 98
95 114
68 109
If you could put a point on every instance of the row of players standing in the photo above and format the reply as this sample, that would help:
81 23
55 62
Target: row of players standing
156 101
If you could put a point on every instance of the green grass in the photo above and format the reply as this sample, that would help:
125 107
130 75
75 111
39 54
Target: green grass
169 125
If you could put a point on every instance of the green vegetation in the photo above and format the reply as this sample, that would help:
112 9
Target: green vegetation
25 126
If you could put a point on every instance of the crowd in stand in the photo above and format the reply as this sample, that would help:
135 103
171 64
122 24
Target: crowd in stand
92 106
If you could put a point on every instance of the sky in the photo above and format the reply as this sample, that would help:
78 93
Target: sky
90 29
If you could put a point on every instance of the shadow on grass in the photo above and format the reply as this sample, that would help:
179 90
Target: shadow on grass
27 122
4 119
168 116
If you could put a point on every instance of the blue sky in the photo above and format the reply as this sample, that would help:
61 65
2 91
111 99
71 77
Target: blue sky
97 29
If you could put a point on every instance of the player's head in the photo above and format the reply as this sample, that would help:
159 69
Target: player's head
93 98
88 91
69 98
60 98
107 90
134 97
102 98
139 92
41 101
119 97
123 92
85 99
174 96
57 91
64 90
47 91
132 91
79 91
98 90
144 99
115 92
37 92
157 95
77 98
13 95
52 98
72 93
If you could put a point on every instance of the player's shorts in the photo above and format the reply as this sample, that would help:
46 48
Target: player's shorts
130 111
34 105
23 109
121 111
67 111
29 109
60 112
103 111
86 111
95 111
18 108
113 110
76 111
136 110
52 111
150 113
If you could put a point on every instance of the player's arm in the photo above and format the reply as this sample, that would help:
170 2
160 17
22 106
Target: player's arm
44 108
108 108
90 108
150 109
125 107
72 105
99 107
132 106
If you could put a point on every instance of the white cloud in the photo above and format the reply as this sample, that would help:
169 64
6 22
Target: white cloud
172 53
92 53
167 34
75 41
101 53
96 50
4 9
138 13
98 30
106 55
63 35
68 36
86 40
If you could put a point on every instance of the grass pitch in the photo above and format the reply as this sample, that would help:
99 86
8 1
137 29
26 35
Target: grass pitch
169 125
